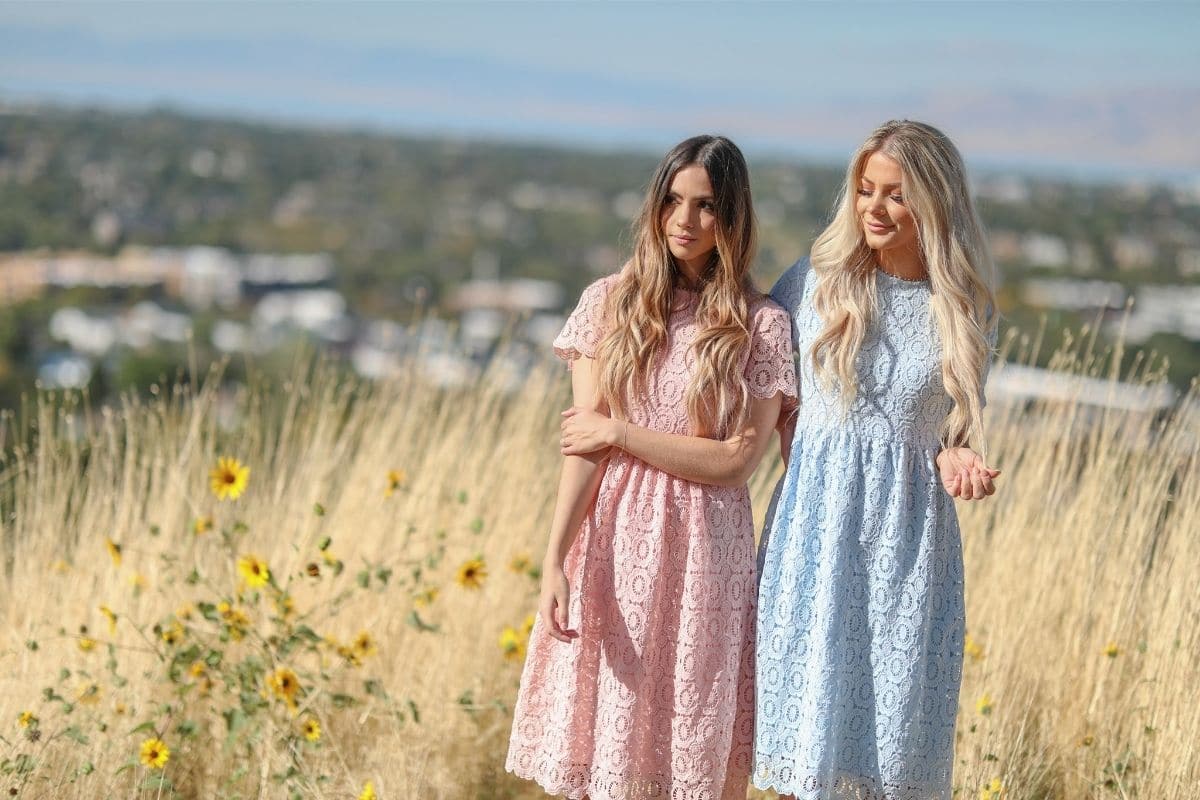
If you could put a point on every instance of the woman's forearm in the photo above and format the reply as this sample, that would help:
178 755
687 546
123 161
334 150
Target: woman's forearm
728 462
693 458
578 485
579 480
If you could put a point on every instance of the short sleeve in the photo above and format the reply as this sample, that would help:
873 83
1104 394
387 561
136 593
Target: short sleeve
770 367
585 327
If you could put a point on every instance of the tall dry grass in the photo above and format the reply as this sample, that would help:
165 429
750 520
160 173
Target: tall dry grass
1082 608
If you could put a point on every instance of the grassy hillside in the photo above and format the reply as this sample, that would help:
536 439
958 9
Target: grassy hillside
357 613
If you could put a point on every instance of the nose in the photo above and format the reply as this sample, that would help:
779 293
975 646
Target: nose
683 216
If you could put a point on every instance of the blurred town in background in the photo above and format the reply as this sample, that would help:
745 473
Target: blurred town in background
131 242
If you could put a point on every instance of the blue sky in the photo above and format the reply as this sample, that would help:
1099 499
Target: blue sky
1086 86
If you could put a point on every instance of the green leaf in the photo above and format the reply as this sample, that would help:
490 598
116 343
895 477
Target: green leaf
318 509
343 700
477 525
235 718
324 544
415 620
130 764
363 578
147 726
193 577
307 633
33 645
74 734
187 729
158 783
383 575
416 715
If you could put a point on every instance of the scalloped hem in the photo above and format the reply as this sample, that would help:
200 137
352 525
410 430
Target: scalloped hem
628 791
543 786
846 793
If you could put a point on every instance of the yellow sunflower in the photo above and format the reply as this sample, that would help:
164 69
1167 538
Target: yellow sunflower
26 719
512 644
994 790
173 633
368 792
527 625
520 563
114 550
972 649
425 597
284 684
471 574
285 606
254 571
984 704
364 645
311 729
89 694
202 525
228 478
154 753
396 478
111 617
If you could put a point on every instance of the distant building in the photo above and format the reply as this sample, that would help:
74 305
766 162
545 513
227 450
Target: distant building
1044 250
1017 383
1188 262
1070 294
1134 252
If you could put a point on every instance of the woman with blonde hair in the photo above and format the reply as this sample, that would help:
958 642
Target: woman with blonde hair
639 676
861 616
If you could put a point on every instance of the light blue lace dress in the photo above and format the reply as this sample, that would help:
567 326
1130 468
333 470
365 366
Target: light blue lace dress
860 617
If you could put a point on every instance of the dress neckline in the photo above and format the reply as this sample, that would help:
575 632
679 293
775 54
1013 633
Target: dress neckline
899 280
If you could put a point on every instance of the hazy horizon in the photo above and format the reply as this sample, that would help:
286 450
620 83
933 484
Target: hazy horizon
1074 90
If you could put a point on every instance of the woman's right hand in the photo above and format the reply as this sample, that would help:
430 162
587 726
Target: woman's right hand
554 603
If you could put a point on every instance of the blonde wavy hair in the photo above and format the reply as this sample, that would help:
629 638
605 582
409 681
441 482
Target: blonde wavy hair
955 253
639 305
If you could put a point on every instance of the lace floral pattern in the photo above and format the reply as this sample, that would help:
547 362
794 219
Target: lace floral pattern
861 615
656 696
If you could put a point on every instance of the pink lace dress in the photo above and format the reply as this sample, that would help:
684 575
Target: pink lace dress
656 696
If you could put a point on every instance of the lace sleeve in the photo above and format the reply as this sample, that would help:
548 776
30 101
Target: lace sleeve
585 327
770 367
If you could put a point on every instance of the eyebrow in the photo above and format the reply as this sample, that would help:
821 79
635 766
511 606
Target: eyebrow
868 180
698 197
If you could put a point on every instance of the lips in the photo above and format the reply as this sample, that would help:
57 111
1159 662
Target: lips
875 227
683 240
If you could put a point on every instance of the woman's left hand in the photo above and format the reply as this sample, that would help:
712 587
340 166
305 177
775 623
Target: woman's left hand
965 475
586 431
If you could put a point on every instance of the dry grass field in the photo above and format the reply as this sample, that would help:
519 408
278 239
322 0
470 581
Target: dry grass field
352 623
